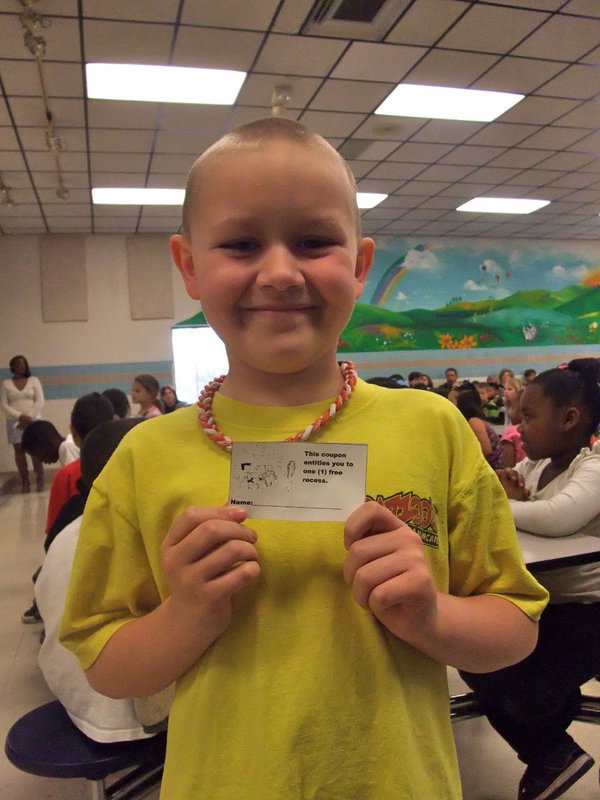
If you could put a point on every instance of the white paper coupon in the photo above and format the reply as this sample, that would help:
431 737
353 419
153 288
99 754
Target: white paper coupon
298 480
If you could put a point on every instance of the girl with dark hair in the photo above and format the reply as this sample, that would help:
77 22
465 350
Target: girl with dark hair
22 399
170 400
466 397
555 491
144 391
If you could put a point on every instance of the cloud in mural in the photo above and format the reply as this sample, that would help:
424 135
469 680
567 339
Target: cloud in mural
579 273
400 296
514 257
473 286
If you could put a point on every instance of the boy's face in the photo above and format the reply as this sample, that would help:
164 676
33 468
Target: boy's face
273 254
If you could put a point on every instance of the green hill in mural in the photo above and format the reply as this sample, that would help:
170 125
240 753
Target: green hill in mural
568 316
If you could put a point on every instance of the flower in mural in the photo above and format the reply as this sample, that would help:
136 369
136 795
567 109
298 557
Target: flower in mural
446 341
466 343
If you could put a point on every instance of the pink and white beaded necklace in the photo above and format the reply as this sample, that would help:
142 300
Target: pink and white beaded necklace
219 438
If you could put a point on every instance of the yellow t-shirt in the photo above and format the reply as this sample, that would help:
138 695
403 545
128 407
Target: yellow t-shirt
306 696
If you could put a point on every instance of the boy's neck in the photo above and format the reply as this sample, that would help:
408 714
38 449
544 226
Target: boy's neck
318 382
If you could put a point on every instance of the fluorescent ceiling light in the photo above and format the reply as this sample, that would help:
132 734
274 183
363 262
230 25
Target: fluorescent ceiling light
369 199
502 205
441 102
138 197
163 84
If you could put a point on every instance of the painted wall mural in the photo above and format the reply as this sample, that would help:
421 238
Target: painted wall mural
461 294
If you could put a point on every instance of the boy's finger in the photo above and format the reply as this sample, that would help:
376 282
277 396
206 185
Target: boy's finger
194 516
368 519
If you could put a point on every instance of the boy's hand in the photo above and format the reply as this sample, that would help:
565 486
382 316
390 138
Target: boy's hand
208 556
513 484
387 571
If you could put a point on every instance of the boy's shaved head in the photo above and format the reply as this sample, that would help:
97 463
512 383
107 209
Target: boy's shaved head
257 134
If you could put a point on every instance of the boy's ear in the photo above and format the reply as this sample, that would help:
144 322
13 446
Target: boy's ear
364 260
182 258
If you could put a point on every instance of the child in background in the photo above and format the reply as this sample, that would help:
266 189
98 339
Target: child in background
88 411
553 492
144 392
309 656
43 441
512 446
119 401
170 400
466 398
493 405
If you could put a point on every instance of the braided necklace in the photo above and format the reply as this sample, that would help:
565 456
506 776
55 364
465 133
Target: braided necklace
219 438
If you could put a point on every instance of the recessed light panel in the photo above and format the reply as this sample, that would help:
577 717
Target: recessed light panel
138 197
502 205
441 102
369 199
163 84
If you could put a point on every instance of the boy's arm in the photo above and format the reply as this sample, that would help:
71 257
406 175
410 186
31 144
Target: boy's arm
389 576
208 556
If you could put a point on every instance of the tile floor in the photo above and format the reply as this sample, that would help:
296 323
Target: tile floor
489 768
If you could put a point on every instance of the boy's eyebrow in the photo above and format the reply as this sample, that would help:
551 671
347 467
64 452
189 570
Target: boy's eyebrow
226 225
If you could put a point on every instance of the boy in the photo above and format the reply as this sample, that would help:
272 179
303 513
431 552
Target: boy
42 440
309 656
494 407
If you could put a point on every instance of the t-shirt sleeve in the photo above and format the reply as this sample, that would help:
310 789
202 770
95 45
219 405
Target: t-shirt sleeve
484 552
111 581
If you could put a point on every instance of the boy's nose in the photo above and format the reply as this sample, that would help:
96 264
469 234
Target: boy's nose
280 269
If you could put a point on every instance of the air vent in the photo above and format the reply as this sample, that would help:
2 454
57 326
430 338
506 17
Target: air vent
354 19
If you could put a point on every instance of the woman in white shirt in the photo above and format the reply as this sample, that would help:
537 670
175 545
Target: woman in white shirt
22 398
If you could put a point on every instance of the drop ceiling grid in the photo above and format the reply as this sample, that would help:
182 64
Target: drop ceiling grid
546 146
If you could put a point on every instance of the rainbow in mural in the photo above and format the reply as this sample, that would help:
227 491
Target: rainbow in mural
390 279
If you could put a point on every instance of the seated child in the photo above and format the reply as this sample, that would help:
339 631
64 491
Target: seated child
88 411
466 397
493 406
145 392
553 492
512 445
119 401
309 656
101 718
42 440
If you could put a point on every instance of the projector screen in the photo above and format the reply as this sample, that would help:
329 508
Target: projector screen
198 357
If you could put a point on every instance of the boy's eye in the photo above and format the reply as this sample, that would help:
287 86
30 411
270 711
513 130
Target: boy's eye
315 242
240 245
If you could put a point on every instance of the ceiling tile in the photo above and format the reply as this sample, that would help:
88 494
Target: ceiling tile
446 131
491 175
113 114
585 115
502 134
73 139
256 16
120 140
258 89
580 81
589 144
538 110
126 42
119 162
377 62
61 79
302 55
30 111
554 138
211 47
331 124
561 38
411 30
492 29
397 129
471 155
521 75
420 151
450 68
397 170
148 11
567 161
519 157
337 95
